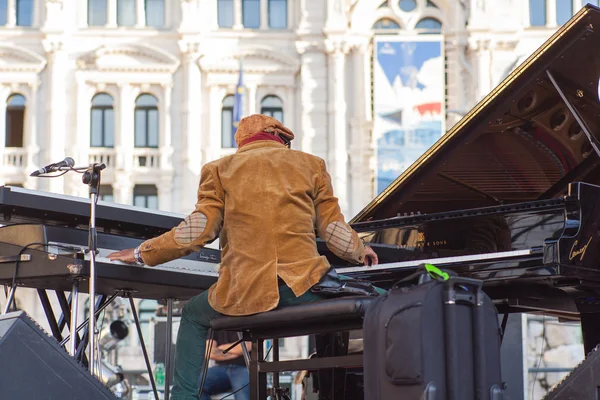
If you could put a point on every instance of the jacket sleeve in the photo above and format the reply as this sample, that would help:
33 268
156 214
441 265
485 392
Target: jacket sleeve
196 230
340 238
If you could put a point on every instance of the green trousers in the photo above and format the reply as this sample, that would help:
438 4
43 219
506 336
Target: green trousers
193 332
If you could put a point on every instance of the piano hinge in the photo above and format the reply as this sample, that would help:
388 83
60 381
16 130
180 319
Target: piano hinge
14 259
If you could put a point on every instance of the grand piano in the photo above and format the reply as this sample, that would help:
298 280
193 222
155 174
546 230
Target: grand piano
510 194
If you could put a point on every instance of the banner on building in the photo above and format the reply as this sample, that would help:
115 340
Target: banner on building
408 101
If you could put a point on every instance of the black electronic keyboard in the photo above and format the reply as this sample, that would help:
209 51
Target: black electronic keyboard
18 205
57 255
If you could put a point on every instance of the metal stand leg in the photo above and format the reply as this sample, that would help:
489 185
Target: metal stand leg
98 311
244 349
275 359
9 301
146 359
168 348
92 178
49 313
74 304
255 391
92 291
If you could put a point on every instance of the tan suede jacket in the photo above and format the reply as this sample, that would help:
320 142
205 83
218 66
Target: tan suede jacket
266 201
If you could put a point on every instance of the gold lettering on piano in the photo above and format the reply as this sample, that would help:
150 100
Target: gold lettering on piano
437 243
579 252
420 237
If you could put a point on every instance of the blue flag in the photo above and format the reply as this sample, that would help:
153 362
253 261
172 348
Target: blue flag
237 106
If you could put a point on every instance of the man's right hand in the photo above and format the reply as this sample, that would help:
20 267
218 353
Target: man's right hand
370 257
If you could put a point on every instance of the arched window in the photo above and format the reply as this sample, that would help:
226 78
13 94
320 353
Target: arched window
145 196
227 135
278 14
273 107
97 12
407 5
15 120
155 13
102 121
24 12
251 13
225 13
146 121
126 12
386 23
431 25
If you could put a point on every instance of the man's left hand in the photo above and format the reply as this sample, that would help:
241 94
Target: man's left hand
123 255
370 257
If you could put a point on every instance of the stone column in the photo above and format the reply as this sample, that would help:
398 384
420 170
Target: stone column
237 14
111 16
191 20
125 128
165 195
211 139
30 139
54 18
551 14
79 146
264 14
11 18
192 118
165 143
124 140
361 191
336 17
289 112
336 113
55 102
252 102
207 12
482 60
140 10
313 100
4 93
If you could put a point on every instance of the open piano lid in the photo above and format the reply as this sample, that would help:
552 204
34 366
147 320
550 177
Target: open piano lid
521 142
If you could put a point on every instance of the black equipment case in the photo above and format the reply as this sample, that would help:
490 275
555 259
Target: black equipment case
439 340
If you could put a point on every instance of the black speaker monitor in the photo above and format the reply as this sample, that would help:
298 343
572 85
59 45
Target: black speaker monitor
34 366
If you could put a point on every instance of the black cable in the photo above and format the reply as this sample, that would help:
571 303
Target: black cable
541 354
267 355
52 176
14 279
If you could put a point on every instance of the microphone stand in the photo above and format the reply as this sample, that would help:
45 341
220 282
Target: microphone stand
91 177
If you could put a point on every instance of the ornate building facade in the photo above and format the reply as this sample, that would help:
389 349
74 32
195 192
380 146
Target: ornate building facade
146 86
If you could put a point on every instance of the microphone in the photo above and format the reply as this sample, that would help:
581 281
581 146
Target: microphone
67 162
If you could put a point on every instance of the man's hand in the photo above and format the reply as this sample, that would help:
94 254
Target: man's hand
123 255
370 257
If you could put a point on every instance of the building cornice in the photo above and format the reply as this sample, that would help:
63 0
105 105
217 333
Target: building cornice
20 60
269 61
150 60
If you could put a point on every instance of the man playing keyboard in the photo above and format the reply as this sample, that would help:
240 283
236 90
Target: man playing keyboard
264 202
